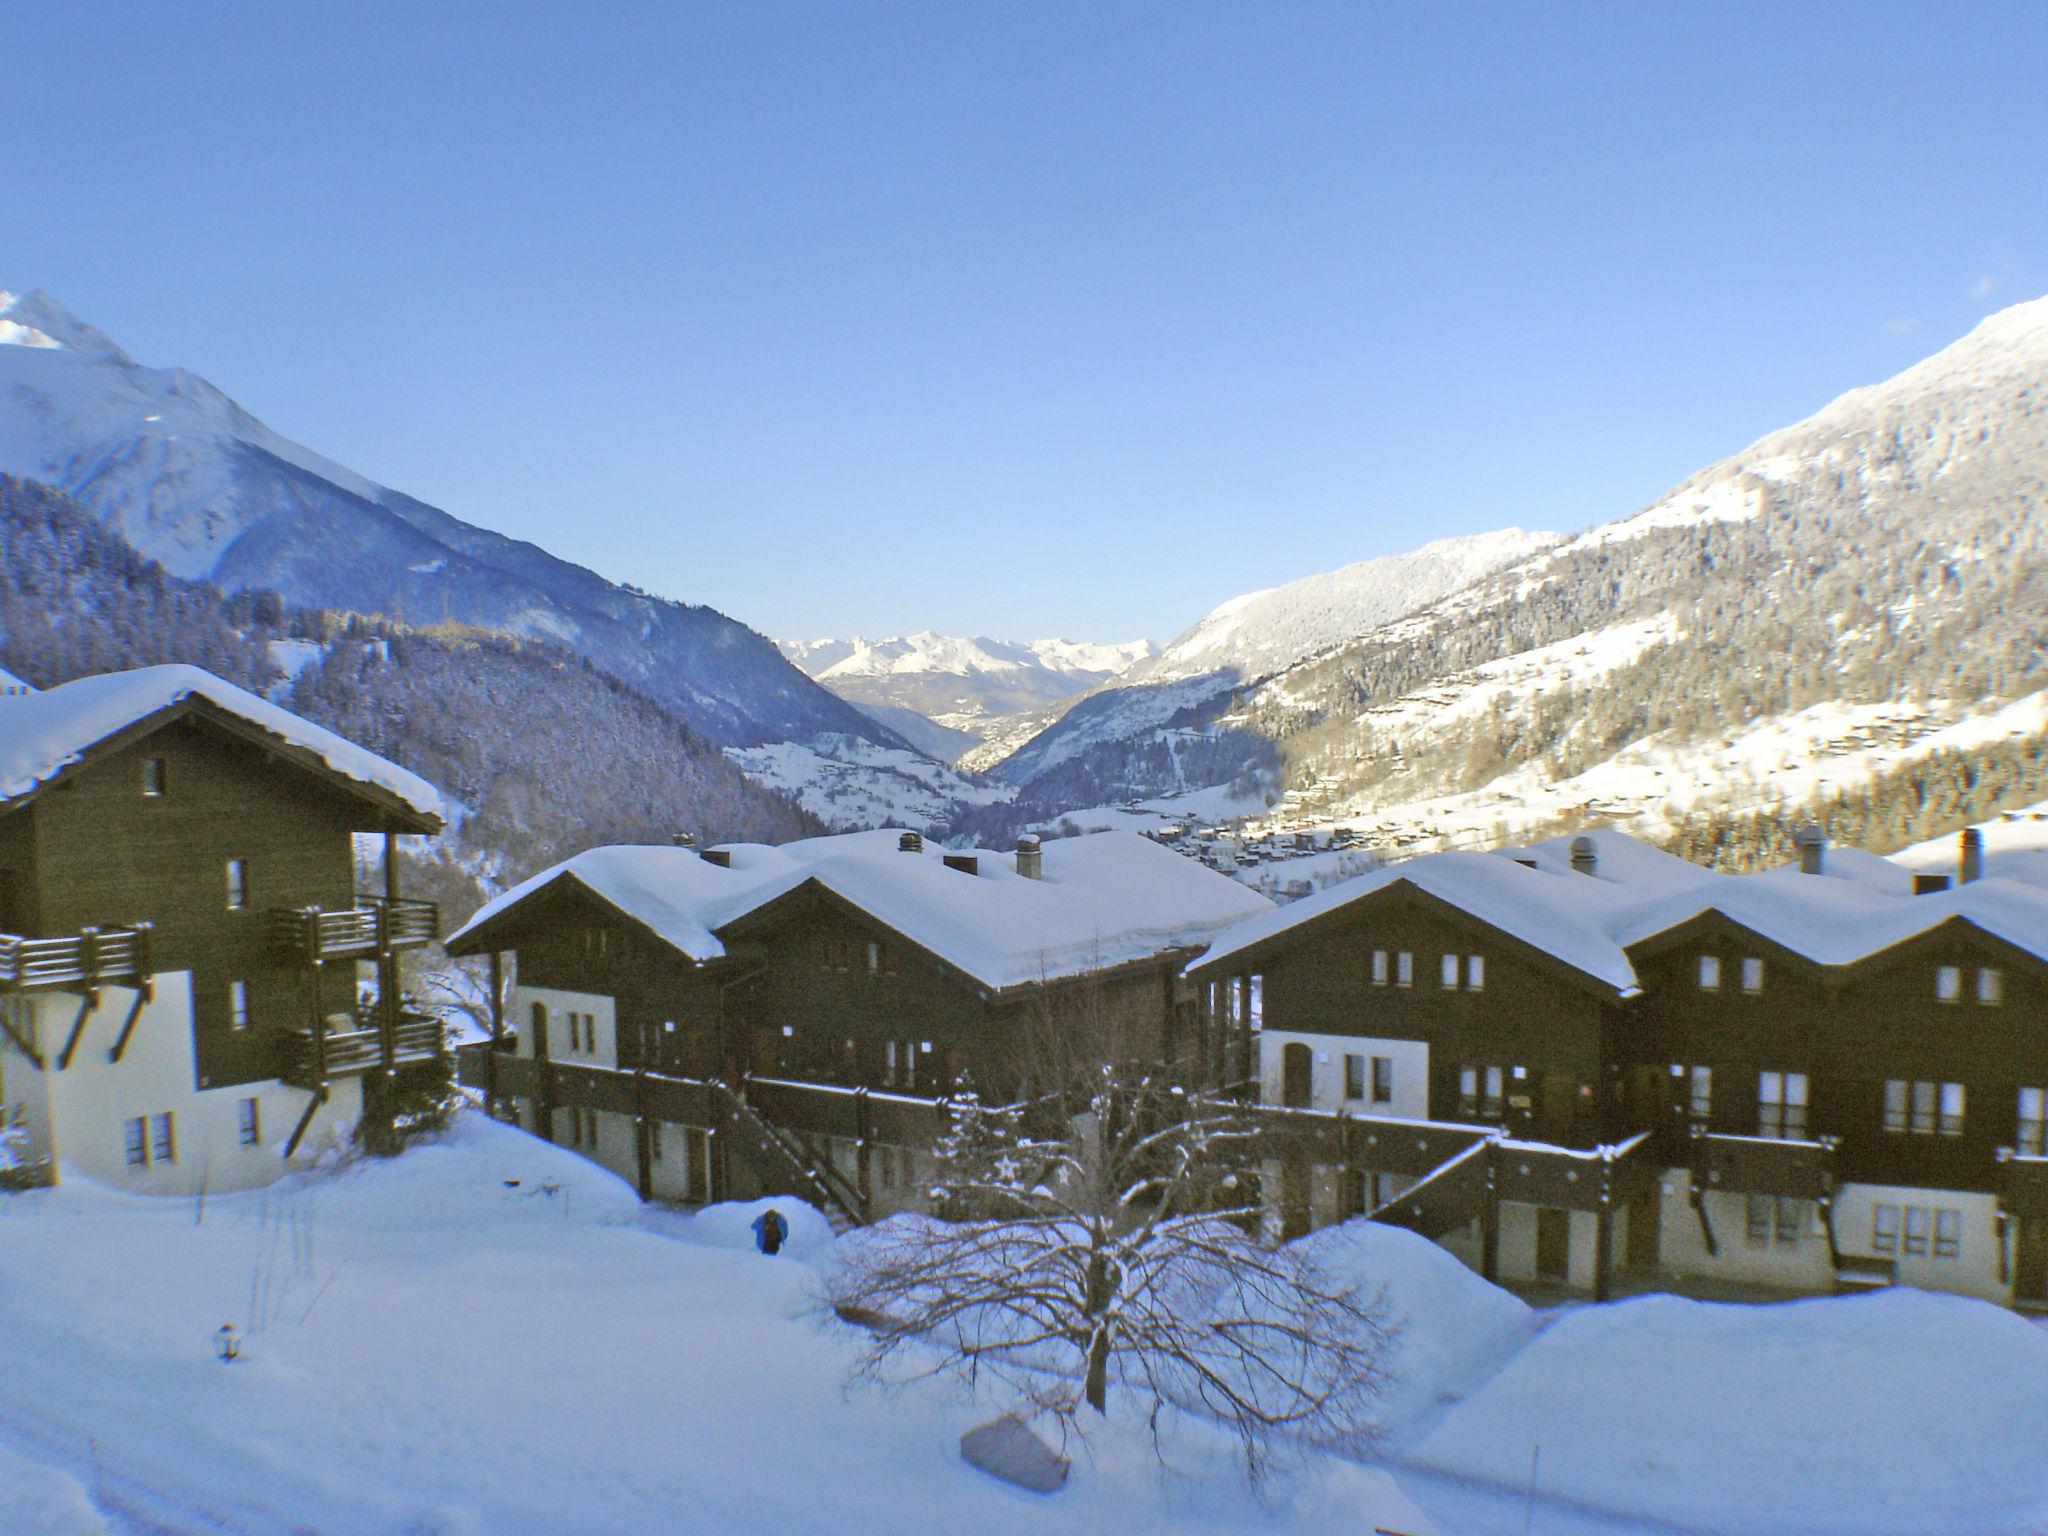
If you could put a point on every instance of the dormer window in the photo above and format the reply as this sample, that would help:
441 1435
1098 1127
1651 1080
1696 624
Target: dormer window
238 884
155 777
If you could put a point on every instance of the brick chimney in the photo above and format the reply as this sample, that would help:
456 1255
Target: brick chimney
910 842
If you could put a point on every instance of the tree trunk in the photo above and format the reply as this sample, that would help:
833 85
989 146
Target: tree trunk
1096 1388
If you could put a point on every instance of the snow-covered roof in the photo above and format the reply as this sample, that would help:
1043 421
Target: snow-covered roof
1860 906
1564 916
1104 899
44 734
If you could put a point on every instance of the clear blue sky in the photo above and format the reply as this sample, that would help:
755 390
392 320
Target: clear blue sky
1022 319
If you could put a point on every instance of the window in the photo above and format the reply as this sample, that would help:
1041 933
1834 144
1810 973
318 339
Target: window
1774 1221
1475 972
583 1128
1752 974
1696 1084
2032 1140
154 778
1710 973
238 1005
1383 1079
1918 1230
1781 1105
1450 973
1923 1108
1948 1232
249 1122
1990 986
1404 969
1354 1077
163 1141
135 1132
874 958
1948 983
1230 1003
1471 1099
1255 1002
238 884
1379 967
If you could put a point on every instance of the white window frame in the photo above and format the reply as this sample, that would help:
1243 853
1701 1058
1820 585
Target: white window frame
1710 973
238 1004
1948 983
1475 973
1752 974
1379 968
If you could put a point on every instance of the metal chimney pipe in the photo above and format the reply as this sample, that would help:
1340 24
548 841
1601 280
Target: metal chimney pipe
1585 856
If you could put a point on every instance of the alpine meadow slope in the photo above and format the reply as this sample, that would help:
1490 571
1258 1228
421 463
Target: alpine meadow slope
1842 594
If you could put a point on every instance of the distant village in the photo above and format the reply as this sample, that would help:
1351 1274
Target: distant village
1582 1065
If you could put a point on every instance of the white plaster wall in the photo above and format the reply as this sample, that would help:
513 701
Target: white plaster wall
83 1107
519 1014
1973 1272
1326 1082
1682 1246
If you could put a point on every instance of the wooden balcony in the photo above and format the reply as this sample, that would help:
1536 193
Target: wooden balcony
92 957
1761 1165
370 928
359 1048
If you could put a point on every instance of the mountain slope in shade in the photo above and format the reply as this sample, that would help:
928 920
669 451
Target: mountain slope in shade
1260 633
191 479
960 684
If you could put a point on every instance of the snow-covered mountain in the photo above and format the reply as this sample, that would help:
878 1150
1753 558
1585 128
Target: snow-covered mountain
1867 585
967 687
1257 634
191 479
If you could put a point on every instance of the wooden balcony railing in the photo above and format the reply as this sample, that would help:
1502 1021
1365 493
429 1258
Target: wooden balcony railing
372 926
359 1047
90 958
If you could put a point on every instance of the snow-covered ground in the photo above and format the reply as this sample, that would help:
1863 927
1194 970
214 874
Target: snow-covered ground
431 1348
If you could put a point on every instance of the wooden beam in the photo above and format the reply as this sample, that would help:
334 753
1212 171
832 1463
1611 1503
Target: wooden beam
298 1131
85 1007
22 1045
1489 1225
497 1027
128 1024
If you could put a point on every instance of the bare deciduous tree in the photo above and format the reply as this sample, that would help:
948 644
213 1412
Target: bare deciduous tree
1118 1251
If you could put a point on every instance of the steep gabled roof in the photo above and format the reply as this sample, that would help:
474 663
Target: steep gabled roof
1105 900
1562 916
44 736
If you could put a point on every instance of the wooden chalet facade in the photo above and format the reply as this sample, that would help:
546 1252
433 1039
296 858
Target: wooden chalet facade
1836 1087
180 934
863 964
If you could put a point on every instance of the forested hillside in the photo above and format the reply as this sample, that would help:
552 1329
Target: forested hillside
547 754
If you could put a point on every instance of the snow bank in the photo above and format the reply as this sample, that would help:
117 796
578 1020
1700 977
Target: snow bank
1899 1412
1454 1329
36 1499
731 1225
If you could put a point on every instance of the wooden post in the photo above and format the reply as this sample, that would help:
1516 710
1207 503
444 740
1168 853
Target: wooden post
1489 1225
543 1104
497 1028
387 962
643 1140
863 1157
1603 1246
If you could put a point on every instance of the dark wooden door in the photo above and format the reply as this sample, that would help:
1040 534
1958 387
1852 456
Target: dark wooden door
2030 1262
1649 1100
1558 1107
1553 1243
1297 1069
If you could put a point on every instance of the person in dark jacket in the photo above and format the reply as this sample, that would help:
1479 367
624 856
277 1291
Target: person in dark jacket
770 1230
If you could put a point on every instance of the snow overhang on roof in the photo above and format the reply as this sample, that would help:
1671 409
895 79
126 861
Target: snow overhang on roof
45 735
